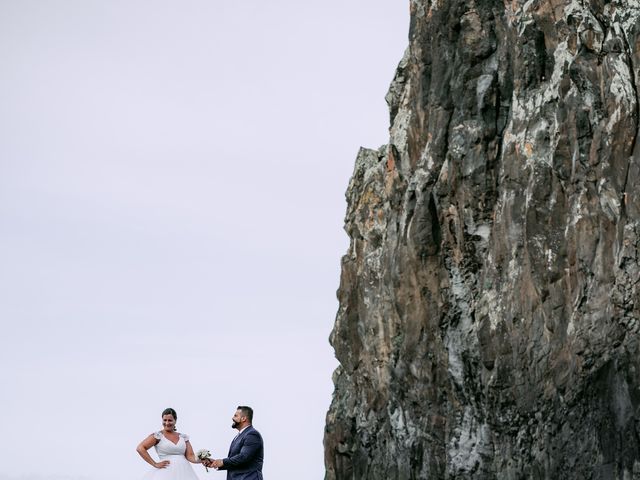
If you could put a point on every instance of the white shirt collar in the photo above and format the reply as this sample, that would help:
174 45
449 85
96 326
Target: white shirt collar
240 431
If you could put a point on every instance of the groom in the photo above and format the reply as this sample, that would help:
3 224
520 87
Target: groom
246 452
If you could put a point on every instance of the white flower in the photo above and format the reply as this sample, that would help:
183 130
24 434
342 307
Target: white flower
204 454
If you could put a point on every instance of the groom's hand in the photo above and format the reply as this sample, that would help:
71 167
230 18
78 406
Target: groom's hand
217 463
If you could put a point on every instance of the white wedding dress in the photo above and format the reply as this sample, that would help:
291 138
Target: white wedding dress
179 467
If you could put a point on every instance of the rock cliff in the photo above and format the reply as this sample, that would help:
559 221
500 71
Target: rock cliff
489 301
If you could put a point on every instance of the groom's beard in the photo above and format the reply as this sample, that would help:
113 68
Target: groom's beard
234 425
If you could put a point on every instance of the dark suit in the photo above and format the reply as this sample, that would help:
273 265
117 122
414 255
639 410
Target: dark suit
246 455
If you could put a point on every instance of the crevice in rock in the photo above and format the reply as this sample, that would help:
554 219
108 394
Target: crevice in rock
634 84
492 329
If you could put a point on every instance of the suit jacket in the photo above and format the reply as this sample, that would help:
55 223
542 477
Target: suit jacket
246 455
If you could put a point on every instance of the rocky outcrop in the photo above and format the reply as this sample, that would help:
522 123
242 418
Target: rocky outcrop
489 302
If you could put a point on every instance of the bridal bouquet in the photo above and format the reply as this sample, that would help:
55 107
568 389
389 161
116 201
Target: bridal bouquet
204 454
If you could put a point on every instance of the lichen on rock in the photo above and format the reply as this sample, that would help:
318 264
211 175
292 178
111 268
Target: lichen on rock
489 302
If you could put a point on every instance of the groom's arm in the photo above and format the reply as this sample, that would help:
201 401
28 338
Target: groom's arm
250 448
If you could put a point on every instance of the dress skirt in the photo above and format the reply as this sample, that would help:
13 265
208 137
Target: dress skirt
179 469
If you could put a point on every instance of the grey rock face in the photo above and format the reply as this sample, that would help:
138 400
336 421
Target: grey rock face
489 301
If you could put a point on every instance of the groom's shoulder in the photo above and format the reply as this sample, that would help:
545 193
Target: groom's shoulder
254 432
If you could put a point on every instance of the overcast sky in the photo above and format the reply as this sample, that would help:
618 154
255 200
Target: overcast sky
172 178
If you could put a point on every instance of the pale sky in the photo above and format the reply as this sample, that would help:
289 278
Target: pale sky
172 179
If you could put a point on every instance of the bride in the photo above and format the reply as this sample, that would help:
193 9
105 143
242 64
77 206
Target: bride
173 449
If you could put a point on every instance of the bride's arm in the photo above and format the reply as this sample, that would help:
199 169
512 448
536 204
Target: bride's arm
145 445
190 455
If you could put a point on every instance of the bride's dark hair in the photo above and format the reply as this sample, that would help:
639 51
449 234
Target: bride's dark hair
172 412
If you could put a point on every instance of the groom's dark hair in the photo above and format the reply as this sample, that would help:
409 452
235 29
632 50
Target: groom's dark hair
247 412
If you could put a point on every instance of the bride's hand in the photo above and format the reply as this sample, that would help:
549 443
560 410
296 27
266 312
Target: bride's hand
162 464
